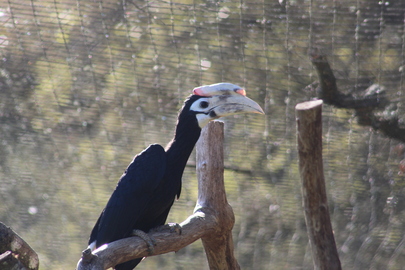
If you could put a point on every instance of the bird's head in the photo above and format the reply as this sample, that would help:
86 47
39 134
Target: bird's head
210 102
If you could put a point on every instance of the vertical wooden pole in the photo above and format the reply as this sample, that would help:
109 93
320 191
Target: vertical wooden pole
212 197
319 227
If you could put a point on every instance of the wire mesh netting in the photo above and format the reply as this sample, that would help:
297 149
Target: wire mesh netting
87 84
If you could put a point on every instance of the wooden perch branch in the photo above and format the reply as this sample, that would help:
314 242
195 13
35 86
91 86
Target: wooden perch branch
319 227
211 195
374 97
15 253
212 220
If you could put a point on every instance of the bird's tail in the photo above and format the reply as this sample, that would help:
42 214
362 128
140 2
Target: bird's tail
128 265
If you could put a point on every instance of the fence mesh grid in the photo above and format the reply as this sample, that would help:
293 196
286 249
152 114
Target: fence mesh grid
87 84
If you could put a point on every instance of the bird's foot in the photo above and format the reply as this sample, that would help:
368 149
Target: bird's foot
87 255
173 227
145 237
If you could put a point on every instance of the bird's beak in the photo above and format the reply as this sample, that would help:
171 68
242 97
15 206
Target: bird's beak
234 104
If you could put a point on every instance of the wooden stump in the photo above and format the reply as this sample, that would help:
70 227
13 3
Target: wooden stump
319 227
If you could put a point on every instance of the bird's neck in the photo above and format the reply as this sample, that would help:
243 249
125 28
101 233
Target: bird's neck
185 138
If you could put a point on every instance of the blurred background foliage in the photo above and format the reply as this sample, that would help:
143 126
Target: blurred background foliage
87 84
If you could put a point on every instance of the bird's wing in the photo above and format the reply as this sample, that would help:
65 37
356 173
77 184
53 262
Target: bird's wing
131 196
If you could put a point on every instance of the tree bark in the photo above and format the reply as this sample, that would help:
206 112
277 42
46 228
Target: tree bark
212 220
15 252
372 107
211 195
319 227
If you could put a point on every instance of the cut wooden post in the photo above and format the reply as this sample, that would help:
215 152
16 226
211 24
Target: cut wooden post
319 227
212 197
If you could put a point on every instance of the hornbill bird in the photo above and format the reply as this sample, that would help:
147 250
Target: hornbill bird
147 189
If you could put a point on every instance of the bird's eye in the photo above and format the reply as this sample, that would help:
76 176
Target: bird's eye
204 104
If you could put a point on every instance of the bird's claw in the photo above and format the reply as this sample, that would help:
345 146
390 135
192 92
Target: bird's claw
145 237
87 255
174 227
